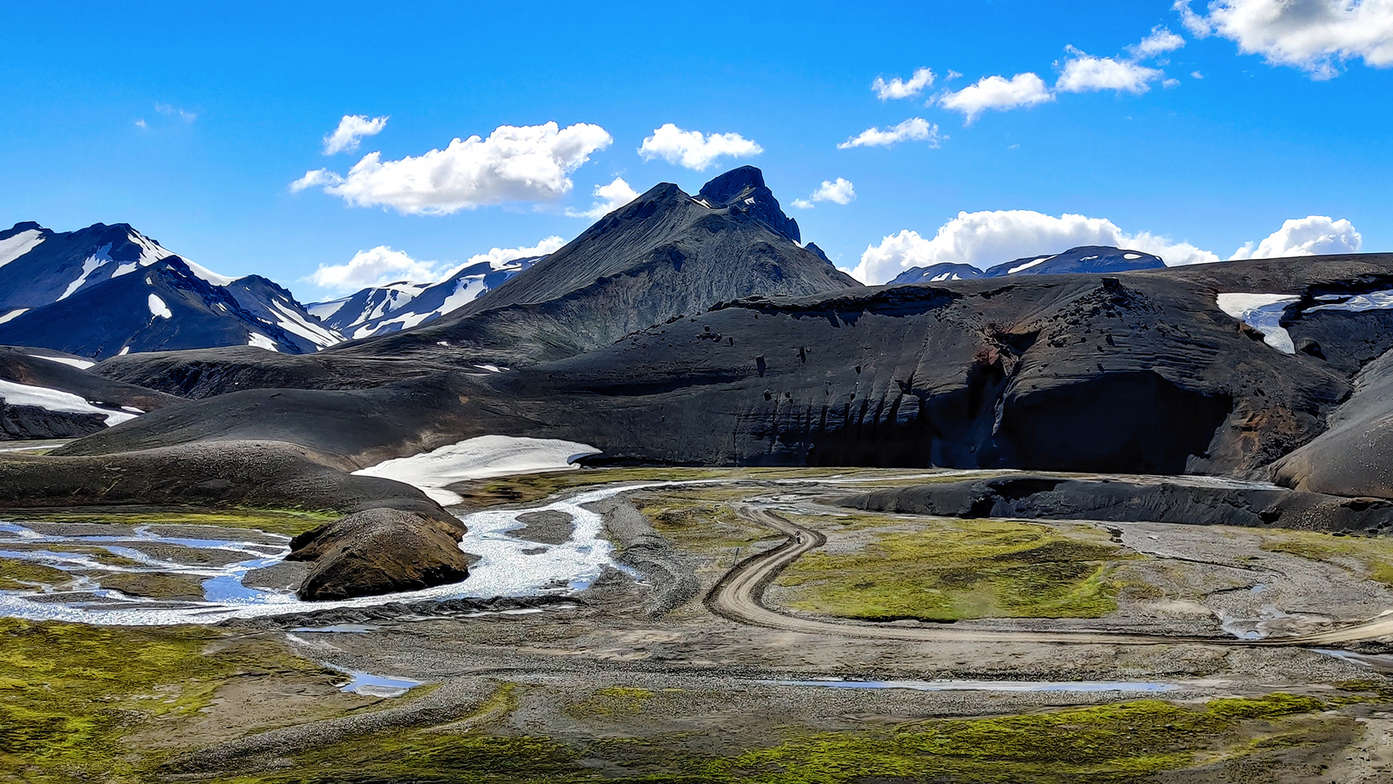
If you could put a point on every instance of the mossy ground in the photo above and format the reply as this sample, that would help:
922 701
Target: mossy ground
279 521
950 569
1108 743
16 575
71 695
1371 557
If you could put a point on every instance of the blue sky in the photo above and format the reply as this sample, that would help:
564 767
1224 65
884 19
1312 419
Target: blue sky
192 123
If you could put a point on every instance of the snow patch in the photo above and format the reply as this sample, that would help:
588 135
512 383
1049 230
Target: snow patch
89 265
1374 300
476 458
56 400
82 364
261 341
18 245
14 314
1262 312
1028 265
157 307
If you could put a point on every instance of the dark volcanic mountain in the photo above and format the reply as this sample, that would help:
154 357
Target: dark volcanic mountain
397 306
662 256
1088 259
937 273
109 290
46 394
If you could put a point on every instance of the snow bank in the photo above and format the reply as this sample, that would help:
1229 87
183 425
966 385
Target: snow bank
81 364
56 400
158 308
1262 312
475 458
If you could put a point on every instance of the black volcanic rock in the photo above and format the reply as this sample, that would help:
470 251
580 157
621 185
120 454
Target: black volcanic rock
936 273
379 551
742 190
1059 497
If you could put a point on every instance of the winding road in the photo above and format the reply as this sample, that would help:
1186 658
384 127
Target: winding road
739 596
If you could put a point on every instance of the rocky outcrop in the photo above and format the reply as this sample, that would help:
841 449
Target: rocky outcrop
1190 501
379 551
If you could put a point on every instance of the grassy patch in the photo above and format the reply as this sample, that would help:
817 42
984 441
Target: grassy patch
280 521
951 569
701 521
70 694
1370 556
1108 743
15 575
611 701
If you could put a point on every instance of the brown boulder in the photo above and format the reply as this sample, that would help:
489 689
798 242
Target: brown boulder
379 551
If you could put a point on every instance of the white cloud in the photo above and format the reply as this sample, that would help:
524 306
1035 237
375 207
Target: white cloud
372 267
608 198
382 265
496 257
694 149
898 88
913 129
140 123
1196 24
1085 73
1309 236
1314 35
991 237
838 191
1196 75
1170 83
802 204
514 164
1159 41
352 128
174 111
997 92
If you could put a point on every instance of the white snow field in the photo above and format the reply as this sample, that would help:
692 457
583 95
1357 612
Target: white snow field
56 400
1262 312
476 458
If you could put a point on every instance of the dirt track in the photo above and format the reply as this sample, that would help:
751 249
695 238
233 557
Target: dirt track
739 596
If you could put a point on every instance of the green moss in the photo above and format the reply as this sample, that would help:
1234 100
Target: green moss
952 569
1108 743
17 575
281 521
70 694
611 701
1369 556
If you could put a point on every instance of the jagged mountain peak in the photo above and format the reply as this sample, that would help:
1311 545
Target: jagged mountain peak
743 190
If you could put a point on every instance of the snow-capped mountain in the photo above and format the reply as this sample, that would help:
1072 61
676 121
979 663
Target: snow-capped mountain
935 273
1086 259
108 290
398 306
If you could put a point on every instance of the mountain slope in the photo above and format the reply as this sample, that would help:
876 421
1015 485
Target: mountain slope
397 306
45 394
663 255
1086 259
105 290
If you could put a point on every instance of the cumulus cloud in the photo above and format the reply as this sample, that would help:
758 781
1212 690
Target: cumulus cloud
898 88
315 178
997 92
608 198
1159 41
838 191
694 149
1085 73
1309 236
382 265
1315 35
527 163
372 267
497 257
352 128
802 204
991 237
913 129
